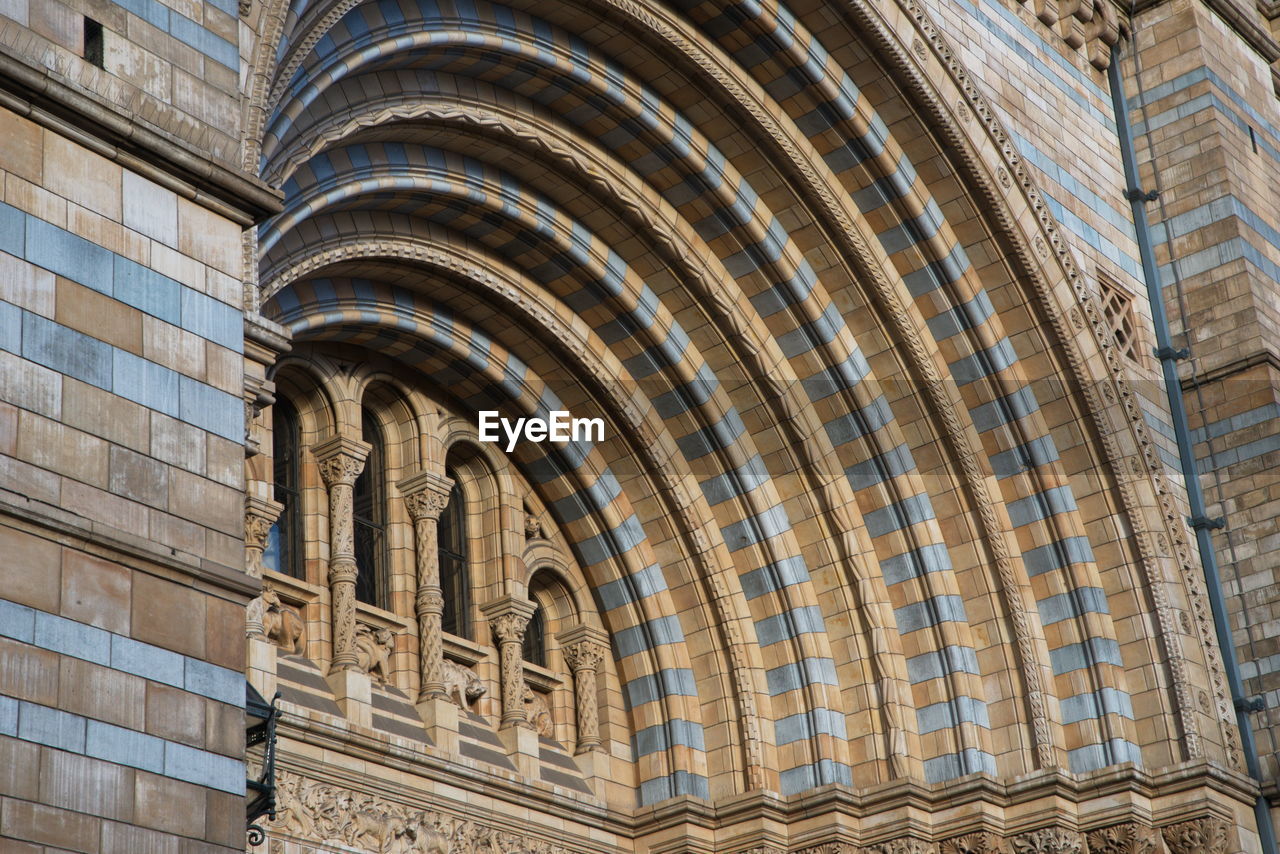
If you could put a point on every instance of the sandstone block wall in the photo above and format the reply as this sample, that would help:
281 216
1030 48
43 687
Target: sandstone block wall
121 494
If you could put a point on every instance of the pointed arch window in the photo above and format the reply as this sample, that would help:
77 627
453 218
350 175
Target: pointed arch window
369 508
284 542
455 580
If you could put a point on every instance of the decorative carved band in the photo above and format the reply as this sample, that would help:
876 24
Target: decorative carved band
327 815
1207 835
1048 840
1128 838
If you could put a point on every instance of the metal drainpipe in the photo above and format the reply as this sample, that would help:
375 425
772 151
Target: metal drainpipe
1199 520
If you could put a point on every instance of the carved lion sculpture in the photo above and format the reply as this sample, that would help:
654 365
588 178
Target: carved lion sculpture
462 685
282 624
538 713
373 651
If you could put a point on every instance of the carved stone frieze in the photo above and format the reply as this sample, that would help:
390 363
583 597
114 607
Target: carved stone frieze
907 845
1128 838
326 815
1207 835
980 842
1048 840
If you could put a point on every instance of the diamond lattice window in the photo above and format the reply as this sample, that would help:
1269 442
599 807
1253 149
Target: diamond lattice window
1117 307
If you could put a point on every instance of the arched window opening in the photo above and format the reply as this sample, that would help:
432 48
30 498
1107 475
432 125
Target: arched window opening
284 542
455 581
370 516
535 639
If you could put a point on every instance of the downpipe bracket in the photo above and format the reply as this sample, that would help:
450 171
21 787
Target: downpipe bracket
1136 194
1248 705
1169 354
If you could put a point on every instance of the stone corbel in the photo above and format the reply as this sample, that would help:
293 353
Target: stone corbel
264 343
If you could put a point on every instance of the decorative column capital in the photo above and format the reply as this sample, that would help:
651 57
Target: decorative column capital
508 617
583 647
260 511
259 515
341 460
1127 838
426 494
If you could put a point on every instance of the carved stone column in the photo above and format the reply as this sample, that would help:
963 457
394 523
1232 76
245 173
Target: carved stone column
341 461
259 515
426 495
509 616
584 649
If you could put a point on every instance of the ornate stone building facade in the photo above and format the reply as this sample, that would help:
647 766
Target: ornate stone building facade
886 547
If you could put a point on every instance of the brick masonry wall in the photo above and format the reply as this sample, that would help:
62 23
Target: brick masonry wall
1207 133
1208 136
1057 108
174 65
121 490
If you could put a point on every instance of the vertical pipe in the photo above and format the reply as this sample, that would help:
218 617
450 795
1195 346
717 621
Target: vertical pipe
1177 411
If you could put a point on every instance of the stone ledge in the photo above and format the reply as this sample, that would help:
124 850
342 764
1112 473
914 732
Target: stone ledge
93 122
128 549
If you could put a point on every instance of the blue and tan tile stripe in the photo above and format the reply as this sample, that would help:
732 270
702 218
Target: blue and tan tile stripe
823 381
885 187
806 313
837 386
648 641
